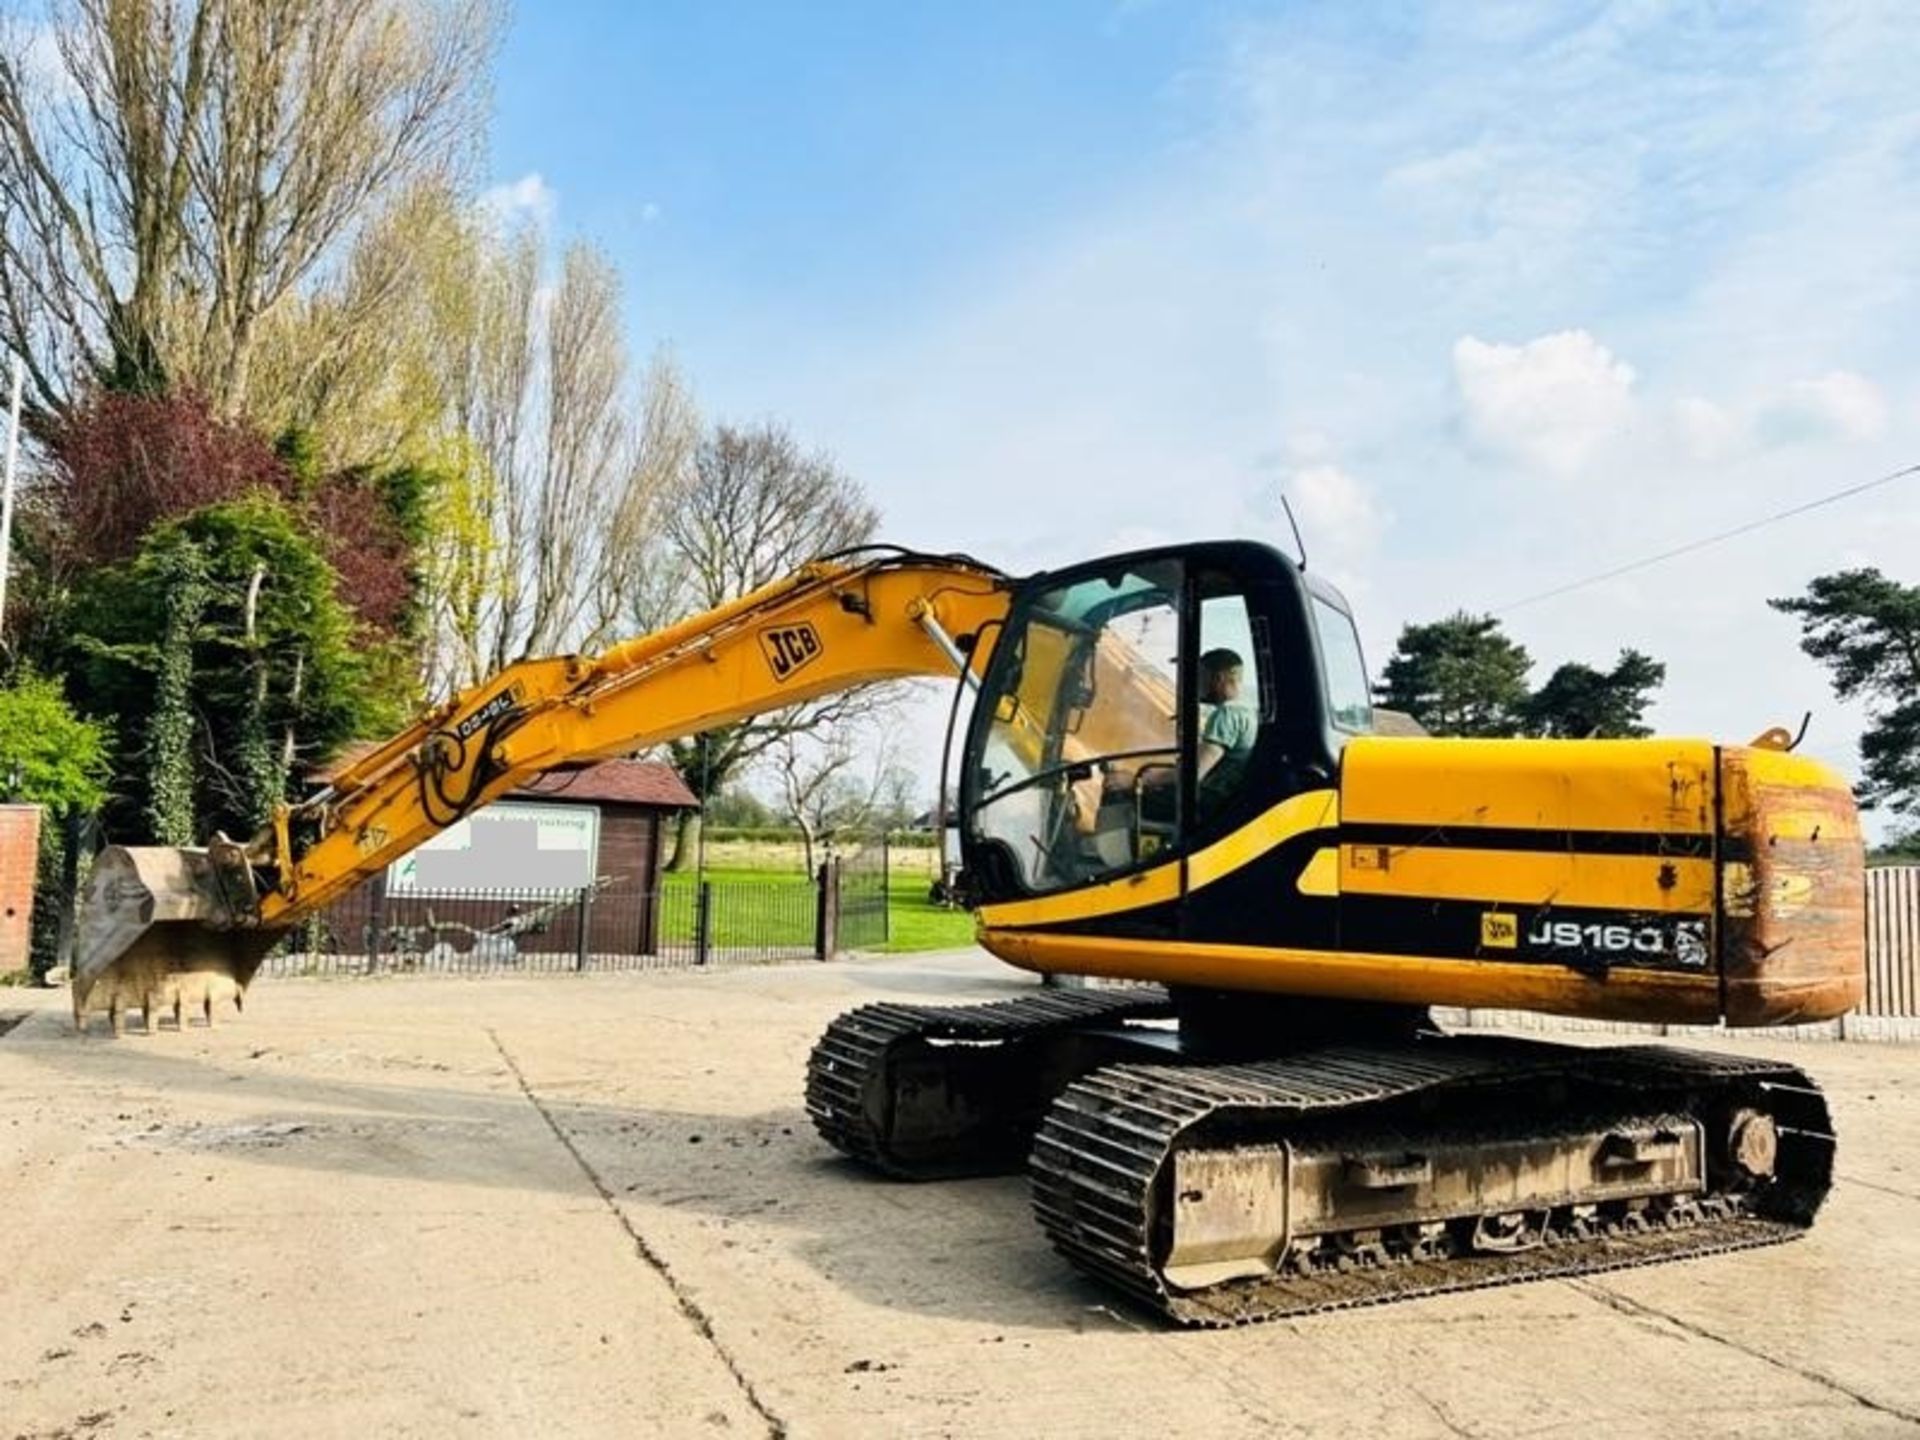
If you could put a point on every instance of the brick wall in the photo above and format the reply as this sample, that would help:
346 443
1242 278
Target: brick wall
19 856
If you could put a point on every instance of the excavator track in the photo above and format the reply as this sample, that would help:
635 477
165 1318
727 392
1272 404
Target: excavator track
1125 1148
936 1092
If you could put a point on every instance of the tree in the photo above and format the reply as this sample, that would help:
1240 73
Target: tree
49 755
227 659
1579 702
518 395
119 465
825 790
184 166
1458 676
1900 849
899 798
360 360
1865 628
738 807
753 506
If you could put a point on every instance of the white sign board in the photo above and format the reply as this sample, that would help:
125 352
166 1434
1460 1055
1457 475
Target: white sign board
510 845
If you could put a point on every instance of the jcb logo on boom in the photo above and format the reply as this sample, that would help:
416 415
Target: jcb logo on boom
789 647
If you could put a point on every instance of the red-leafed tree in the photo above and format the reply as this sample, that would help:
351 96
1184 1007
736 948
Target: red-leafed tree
234 611
122 462
119 464
364 542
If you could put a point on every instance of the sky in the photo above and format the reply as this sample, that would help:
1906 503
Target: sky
1499 296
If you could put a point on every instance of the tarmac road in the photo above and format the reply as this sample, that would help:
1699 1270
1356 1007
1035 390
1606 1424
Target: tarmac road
594 1206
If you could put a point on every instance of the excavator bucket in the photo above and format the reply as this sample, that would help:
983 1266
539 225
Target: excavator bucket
158 929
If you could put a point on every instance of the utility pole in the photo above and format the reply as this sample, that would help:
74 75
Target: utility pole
6 497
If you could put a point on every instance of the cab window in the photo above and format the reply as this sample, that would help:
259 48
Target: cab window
1079 774
1349 702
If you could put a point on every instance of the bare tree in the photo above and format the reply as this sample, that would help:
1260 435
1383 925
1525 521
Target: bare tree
825 790
636 575
448 343
756 506
172 170
753 507
577 459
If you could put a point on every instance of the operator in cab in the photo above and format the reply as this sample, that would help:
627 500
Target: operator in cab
1227 728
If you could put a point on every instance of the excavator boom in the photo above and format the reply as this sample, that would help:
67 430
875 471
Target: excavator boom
168 928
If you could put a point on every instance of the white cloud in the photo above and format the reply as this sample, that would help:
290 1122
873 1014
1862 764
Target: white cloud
526 200
1708 432
1837 406
1548 404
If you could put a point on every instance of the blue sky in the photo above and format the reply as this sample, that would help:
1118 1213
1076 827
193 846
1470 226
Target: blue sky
1500 295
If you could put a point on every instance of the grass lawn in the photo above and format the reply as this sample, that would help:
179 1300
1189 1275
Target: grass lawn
915 923
763 904
751 907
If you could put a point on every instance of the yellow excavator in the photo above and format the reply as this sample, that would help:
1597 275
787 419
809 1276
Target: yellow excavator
1172 777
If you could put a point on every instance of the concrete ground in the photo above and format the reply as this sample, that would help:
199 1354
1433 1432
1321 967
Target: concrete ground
594 1206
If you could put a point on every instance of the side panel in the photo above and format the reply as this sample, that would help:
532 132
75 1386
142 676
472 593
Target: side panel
1594 856
1622 787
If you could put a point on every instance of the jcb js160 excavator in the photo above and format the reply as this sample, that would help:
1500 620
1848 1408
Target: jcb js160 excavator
1171 777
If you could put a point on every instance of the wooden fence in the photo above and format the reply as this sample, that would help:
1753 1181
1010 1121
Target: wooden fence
1893 941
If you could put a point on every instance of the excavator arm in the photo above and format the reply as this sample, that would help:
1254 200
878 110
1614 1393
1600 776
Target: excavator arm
176 927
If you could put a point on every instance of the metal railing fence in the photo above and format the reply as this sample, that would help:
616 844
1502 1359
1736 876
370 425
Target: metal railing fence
490 931
861 873
685 920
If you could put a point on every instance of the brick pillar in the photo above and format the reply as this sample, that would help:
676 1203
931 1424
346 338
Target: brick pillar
19 858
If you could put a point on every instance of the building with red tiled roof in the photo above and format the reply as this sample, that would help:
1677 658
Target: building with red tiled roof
615 782
597 828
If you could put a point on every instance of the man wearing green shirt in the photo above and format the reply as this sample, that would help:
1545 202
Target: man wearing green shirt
1227 728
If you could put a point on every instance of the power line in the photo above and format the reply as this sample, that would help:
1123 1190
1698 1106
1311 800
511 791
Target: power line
1707 540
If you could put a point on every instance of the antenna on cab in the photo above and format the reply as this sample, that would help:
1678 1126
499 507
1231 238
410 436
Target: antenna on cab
1298 542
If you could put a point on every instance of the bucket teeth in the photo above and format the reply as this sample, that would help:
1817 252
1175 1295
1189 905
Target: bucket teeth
157 931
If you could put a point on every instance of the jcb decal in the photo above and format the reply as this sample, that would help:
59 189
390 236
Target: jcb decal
1683 942
1499 930
789 647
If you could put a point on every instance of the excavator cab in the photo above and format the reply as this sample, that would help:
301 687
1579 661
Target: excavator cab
1138 707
